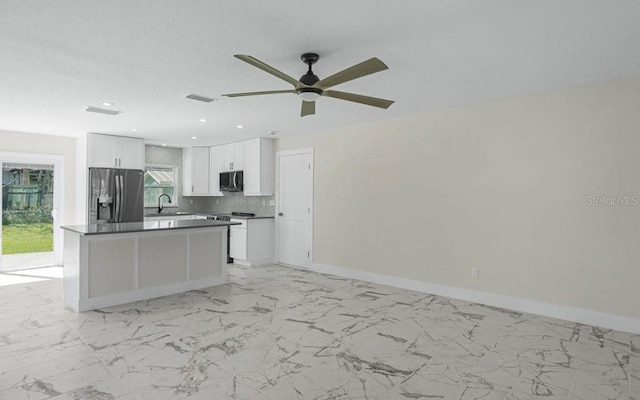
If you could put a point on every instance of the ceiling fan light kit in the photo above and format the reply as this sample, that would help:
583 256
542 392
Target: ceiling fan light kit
309 94
310 88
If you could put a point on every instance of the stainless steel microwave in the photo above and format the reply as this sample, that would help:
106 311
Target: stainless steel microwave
231 181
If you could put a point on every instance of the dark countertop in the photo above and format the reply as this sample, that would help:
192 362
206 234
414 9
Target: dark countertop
238 216
149 226
178 214
170 214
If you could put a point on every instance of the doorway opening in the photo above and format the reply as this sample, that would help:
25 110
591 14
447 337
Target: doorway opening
27 222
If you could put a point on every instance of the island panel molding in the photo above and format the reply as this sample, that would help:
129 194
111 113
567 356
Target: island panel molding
110 261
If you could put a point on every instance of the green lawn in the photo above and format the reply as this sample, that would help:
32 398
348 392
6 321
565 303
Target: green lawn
27 238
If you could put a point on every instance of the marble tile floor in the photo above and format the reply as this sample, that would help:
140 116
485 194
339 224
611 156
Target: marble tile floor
279 333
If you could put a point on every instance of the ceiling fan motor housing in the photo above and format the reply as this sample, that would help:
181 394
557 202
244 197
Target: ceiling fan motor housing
309 78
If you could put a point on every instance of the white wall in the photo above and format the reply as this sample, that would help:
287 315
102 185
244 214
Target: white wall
20 142
500 186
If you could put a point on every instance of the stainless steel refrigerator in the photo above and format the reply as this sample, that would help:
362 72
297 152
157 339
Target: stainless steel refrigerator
115 195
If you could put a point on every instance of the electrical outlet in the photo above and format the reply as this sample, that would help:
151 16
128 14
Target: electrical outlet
475 273
217 201
272 203
264 202
190 201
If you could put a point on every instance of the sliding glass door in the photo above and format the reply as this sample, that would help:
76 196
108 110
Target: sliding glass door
27 225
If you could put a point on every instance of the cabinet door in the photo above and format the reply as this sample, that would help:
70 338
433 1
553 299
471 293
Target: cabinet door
258 167
131 153
200 171
238 243
228 155
251 178
238 156
233 157
215 167
102 151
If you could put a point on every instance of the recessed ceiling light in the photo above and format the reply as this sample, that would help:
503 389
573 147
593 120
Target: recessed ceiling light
272 132
239 126
164 144
107 103
135 130
202 120
194 137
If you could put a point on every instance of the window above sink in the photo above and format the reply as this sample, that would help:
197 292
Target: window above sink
158 180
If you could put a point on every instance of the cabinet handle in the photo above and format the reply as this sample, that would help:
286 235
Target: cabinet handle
115 161
231 165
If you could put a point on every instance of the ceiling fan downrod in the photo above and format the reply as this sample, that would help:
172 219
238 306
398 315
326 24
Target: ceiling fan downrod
309 78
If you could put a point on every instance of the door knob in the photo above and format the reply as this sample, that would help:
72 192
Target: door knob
280 214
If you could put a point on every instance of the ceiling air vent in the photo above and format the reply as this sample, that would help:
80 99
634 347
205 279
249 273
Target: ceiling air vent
102 111
198 97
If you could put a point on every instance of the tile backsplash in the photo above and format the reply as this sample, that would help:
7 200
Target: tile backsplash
228 203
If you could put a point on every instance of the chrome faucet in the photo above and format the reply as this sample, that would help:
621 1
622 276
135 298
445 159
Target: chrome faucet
160 201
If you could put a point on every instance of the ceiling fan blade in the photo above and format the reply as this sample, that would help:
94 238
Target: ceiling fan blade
259 93
358 98
267 68
308 108
365 68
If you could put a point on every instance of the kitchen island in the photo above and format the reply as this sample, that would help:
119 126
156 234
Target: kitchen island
111 264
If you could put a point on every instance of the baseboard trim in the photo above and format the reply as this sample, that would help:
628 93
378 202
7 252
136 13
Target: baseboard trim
116 299
256 262
583 316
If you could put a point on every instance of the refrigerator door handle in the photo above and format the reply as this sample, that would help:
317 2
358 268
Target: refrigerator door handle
116 217
121 217
235 184
122 197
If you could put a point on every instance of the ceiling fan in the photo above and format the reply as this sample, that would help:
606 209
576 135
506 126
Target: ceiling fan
310 88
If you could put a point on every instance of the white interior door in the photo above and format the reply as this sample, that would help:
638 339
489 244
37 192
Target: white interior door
295 207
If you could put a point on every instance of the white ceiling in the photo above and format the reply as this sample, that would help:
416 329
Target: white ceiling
58 57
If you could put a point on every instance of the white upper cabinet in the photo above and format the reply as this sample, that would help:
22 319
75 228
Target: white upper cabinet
132 153
195 171
202 166
106 151
215 167
233 157
258 167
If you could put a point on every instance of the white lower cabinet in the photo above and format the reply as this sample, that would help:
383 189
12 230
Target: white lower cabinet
253 242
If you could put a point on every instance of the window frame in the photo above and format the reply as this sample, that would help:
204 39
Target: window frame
174 197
